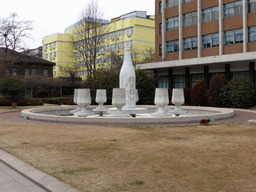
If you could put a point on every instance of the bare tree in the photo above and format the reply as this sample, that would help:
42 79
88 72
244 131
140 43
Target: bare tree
89 36
13 32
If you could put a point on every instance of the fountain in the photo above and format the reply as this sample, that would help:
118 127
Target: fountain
124 110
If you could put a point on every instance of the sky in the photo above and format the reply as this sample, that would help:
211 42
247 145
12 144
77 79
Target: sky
52 16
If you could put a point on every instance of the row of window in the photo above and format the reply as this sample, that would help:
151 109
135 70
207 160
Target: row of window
172 3
179 80
50 55
27 72
104 49
112 35
99 61
211 40
50 45
211 14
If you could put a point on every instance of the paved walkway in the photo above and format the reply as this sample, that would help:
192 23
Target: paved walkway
17 176
11 180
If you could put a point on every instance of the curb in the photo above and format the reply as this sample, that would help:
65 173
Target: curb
47 182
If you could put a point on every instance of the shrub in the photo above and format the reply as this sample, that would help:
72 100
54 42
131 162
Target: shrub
198 94
187 96
56 100
212 95
146 84
102 80
239 93
67 102
13 88
22 102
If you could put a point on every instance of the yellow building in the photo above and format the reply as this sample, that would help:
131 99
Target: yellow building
136 29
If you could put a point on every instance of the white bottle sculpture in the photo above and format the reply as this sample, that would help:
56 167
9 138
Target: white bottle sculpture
127 80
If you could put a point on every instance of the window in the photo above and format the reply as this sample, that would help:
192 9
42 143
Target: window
105 37
244 74
190 19
210 14
160 7
194 78
233 37
105 60
45 72
190 43
14 72
113 47
172 23
106 48
54 55
120 45
26 72
46 56
252 33
46 47
186 1
129 31
112 35
251 6
33 73
171 3
160 28
172 46
233 9
211 40
160 50
179 81
120 33
128 43
163 82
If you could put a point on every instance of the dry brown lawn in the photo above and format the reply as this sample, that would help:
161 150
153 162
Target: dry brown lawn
220 157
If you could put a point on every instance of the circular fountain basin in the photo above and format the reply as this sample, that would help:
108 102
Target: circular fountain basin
62 114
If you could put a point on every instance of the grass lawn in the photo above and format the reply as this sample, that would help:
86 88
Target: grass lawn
219 157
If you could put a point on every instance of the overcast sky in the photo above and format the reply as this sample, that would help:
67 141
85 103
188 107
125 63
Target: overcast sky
51 16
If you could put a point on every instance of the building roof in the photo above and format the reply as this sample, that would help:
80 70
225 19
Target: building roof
18 57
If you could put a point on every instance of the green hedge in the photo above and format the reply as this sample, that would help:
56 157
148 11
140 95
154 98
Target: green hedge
21 102
56 100
239 93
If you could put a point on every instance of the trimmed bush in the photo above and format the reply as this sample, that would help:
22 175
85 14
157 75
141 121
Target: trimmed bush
56 100
67 102
239 93
212 95
21 102
13 88
198 94
187 96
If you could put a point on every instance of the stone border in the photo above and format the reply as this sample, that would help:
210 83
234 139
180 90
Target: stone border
40 178
222 113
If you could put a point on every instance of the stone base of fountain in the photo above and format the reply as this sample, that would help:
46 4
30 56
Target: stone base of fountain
131 112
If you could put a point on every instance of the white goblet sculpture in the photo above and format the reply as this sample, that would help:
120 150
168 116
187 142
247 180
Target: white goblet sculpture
101 98
119 100
75 101
83 100
178 100
161 100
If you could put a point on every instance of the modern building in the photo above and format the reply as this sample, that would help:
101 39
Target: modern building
136 29
37 52
197 39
